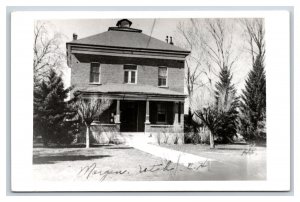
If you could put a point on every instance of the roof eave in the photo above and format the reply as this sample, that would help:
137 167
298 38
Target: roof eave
184 52
131 93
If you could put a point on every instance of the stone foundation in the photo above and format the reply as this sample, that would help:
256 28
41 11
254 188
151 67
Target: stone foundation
165 134
163 128
167 138
110 134
102 134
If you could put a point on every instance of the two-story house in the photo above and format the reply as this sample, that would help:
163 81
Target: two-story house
143 76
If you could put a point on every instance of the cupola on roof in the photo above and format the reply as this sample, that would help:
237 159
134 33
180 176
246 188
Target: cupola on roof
124 23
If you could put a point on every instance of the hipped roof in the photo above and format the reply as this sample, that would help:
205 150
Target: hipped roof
127 38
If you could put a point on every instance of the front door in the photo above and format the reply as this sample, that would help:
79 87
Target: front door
129 112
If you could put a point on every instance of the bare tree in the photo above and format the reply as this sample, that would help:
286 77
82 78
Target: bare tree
89 109
193 62
219 48
255 32
195 71
48 49
211 43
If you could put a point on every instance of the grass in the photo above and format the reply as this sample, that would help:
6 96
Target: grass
124 163
233 161
57 164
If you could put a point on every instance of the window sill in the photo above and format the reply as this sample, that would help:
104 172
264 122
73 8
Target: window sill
163 86
95 84
130 83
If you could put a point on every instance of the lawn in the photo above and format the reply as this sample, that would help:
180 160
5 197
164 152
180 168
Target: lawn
107 162
234 161
120 162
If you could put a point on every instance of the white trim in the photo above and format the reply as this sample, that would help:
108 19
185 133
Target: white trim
97 123
162 125
99 82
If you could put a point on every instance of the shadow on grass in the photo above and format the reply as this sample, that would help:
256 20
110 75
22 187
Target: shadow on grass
119 148
55 146
224 148
55 159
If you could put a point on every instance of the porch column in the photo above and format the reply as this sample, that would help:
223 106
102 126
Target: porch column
175 109
181 113
147 113
117 119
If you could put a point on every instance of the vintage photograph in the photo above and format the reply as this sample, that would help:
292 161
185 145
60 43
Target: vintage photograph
161 99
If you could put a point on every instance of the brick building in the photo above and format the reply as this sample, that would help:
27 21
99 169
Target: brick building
143 76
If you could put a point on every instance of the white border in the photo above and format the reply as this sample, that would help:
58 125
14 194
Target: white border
278 105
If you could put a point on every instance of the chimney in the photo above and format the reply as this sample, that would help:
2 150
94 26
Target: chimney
167 39
75 36
171 42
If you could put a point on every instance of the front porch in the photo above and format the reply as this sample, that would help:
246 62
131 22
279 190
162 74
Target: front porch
137 109
141 116
143 120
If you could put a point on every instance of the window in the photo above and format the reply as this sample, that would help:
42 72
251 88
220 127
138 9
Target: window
161 113
130 74
162 76
95 73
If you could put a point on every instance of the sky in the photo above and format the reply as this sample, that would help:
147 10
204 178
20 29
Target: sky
88 27
157 28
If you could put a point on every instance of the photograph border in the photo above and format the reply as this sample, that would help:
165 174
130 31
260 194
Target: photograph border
9 10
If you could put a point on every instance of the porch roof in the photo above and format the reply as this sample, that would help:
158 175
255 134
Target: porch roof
131 89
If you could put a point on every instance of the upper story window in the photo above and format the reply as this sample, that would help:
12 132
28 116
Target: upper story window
95 72
163 76
130 74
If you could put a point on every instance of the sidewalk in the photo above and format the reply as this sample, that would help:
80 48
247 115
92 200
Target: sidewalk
189 160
